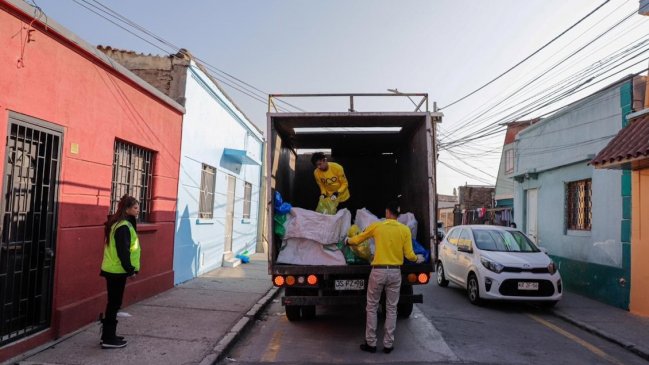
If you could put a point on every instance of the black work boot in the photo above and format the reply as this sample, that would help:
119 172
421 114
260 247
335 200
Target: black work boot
101 340
367 348
108 338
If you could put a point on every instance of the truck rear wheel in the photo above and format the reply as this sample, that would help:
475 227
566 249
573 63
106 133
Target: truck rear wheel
293 313
404 310
308 311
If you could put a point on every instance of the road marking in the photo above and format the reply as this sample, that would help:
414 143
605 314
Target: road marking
273 347
590 347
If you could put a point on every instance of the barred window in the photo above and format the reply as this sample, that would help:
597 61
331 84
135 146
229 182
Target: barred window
132 175
208 184
509 161
247 197
579 213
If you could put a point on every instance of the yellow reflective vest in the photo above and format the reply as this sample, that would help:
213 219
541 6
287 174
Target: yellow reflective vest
111 262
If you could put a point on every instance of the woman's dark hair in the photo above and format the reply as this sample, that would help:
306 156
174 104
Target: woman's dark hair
125 202
317 157
393 206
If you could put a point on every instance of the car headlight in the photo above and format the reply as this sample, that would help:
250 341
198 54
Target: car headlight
492 266
552 268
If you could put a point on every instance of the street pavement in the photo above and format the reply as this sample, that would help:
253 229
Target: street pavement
193 323
198 321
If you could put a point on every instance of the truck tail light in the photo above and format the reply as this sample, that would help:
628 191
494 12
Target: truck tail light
312 279
278 280
412 278
422 278
290 280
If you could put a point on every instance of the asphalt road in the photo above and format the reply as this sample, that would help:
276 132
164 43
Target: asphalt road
445 329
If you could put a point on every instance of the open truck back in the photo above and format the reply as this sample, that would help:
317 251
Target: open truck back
386 155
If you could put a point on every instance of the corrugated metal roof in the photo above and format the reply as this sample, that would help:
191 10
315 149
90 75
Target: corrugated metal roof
630 144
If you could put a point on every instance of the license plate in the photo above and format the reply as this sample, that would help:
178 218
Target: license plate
524 285
358 284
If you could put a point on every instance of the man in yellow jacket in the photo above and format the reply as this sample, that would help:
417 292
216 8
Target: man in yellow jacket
331 180
393 241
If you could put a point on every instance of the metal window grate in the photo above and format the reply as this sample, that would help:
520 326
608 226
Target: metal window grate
247 200
208 184
132 175
579 213
28 229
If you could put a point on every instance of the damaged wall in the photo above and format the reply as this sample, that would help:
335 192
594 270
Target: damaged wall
166 73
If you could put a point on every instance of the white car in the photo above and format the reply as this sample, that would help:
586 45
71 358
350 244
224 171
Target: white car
494 262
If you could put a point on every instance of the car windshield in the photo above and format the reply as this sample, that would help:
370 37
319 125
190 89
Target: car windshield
508 241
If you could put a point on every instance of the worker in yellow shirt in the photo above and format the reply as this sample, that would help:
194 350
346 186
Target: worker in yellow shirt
331 180
393 241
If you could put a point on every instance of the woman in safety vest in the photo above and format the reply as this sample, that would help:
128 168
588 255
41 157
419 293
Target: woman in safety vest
121 260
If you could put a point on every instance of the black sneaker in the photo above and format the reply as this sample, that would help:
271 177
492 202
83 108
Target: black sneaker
121 338
387 350
367 348
113 343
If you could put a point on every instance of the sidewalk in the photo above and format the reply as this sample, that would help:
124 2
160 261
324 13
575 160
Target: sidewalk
193 323
611 323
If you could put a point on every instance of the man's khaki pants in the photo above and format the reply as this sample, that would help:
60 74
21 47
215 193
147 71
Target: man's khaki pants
380 279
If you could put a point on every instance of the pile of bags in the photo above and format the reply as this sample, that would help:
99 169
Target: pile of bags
317 238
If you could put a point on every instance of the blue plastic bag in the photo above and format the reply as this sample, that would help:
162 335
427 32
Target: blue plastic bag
419 250
281 207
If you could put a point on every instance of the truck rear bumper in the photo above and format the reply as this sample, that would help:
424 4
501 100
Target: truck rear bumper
343 300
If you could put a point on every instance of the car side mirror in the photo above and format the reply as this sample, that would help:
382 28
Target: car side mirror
465 248
544 250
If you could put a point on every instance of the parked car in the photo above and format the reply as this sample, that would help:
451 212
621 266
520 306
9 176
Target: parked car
494 262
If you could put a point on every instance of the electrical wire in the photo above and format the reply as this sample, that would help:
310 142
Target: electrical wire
233 82
528 57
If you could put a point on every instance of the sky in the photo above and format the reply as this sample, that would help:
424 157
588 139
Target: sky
446 48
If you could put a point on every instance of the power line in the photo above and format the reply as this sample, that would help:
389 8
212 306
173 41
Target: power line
242 87
535 79
528 57
530 108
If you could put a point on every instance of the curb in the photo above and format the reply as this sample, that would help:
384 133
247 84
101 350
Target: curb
244 322
629 346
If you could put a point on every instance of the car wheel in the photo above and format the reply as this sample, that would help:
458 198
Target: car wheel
441 277
473 290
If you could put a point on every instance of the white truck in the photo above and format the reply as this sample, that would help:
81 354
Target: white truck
386 155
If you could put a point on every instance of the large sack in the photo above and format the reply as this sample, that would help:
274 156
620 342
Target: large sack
363 220
301 251
321 228
409 220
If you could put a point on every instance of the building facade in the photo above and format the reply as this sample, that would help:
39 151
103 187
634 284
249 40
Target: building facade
629 151
579 214
81 131
220 166
503 212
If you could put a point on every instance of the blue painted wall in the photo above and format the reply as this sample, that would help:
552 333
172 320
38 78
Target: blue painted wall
555 152
211 124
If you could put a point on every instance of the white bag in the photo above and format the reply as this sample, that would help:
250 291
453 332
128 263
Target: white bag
301 251
409 220
321 228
